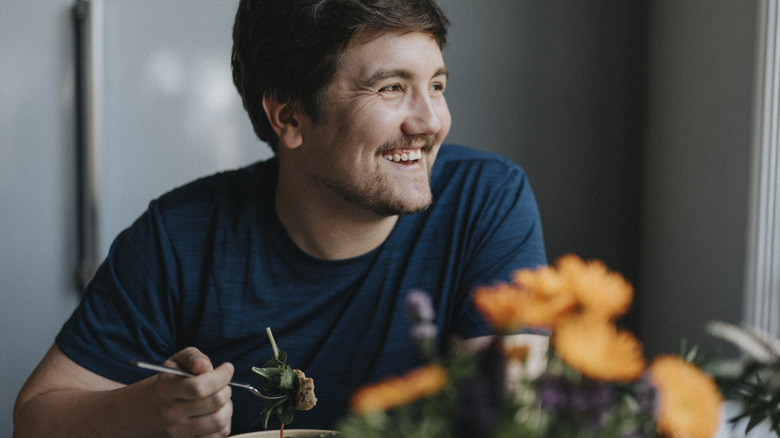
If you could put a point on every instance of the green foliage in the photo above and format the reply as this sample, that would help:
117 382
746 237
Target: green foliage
760 396
425 419
754 379
276 377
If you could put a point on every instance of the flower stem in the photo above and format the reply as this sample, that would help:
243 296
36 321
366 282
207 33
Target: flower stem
273 342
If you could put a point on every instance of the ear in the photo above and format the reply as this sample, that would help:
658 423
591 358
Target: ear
284 122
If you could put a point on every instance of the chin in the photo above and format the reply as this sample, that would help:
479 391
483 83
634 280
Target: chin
403 207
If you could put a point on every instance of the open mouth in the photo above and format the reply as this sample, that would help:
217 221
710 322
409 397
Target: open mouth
410 156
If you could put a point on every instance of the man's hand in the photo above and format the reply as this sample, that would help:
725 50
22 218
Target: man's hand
63 399
195 406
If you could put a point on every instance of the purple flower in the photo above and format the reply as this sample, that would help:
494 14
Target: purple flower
478 408
419 309
645 396
585 405
553 395
480 396
424 331
419 306
596 400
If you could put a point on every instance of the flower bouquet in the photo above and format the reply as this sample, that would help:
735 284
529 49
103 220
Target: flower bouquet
595 381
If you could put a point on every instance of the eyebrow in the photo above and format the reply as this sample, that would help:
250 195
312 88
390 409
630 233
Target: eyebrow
381 75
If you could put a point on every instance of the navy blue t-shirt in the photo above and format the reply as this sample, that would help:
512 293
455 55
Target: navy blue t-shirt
210 265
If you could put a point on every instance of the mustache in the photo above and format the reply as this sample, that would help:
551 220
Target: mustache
406 141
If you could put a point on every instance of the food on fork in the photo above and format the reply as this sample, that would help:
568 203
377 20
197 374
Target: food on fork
306 399
276 377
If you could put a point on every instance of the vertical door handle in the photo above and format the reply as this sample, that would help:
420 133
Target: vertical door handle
89 29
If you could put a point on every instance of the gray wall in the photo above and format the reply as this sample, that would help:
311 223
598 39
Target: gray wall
171 114
634 121
558 86
696 174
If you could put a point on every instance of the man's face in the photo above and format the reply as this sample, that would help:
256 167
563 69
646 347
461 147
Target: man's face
384 119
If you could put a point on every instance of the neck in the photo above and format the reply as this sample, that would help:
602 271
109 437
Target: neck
329 228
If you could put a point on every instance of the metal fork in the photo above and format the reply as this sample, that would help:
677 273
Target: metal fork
178 372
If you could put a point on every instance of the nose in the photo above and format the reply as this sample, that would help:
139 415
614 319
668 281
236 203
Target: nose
425 114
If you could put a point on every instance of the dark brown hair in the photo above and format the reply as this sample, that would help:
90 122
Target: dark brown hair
289 49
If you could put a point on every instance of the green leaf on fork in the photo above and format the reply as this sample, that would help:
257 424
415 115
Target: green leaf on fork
276 377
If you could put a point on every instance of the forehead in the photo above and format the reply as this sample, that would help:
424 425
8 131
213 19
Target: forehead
415 52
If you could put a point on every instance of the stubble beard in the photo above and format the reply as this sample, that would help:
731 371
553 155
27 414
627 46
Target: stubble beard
377 195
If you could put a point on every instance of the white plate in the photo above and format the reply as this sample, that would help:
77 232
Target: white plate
290 433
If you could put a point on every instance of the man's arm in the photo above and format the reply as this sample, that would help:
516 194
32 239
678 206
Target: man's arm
61 398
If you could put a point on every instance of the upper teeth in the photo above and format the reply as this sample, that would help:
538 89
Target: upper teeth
413 155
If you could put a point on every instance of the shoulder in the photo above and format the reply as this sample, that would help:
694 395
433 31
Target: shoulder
229 199
224 183
221 188
464 166
454 153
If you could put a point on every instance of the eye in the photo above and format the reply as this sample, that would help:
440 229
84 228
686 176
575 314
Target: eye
438 86
390 88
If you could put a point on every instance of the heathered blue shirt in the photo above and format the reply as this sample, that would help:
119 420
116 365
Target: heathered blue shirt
210 265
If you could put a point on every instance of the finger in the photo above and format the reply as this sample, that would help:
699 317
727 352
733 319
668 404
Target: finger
215 423
209 383
204 385
225 372
203 406
173 387
200 365
190 359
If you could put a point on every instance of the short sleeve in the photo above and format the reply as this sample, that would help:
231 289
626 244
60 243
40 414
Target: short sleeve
504 232
127 311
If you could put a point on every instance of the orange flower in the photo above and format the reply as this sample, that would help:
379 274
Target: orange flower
595 288
500 305
574 285
595 348
545 281
509 307
689 399
398 391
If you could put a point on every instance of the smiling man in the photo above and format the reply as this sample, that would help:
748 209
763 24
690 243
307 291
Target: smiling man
370 158
360 205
